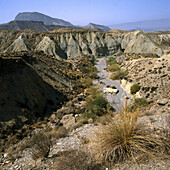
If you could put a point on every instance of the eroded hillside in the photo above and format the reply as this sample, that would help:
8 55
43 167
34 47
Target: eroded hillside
70 43
52 113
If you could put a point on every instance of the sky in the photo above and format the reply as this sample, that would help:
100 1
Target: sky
82 12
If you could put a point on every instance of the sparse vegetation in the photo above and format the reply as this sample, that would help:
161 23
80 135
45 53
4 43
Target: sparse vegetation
95 104
100 101
110 61
138 103
90 70
86 82
76 159
113 67
127 139
87 115
134 88
55 134
119 74
93 94
40 145
88 73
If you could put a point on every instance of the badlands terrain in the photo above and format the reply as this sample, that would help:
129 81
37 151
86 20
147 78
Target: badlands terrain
60 88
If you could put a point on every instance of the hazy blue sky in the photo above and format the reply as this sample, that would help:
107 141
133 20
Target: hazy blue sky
81 12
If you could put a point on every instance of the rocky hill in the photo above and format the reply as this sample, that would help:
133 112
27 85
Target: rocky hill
21 25
40 22
72 43
99 27
34 25
36 16
52 113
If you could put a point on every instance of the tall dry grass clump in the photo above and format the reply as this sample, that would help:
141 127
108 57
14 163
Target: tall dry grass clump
76 160
40 145
127 139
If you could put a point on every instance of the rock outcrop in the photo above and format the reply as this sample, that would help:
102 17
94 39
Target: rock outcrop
71 43
96 26
17 45
153 76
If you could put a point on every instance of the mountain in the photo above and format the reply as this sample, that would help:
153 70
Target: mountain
147 26
34 25
40 26
21 25
40 22
99 27
36 16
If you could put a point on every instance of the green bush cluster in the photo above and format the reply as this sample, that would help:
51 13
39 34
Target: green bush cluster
134 88
88 115
95 104
86 82
139 102
113 67
100 102
90 70
110 61
88 73
119 74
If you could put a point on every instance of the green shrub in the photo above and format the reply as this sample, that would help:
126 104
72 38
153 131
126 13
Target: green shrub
95 103
86 82
91 71
88 115
134 88
139 102
119 74
113 67
100 101
97 110
93 94
111 60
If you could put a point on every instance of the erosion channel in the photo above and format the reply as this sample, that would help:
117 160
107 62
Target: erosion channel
117 99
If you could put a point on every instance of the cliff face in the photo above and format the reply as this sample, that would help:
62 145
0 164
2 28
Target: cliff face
32 85
24 91
69 43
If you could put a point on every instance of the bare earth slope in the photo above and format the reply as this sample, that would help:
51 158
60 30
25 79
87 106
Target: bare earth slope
70 43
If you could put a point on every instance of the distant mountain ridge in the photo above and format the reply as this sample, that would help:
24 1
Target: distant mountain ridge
34 25
99 27
146 26
36 16
40 22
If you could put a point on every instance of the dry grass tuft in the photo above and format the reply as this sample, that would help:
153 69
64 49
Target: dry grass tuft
127 139
76 159
40 145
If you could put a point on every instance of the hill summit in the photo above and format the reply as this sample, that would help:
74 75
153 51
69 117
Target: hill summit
36 16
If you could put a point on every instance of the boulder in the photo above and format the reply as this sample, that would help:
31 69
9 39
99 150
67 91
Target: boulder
68 121
163 101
